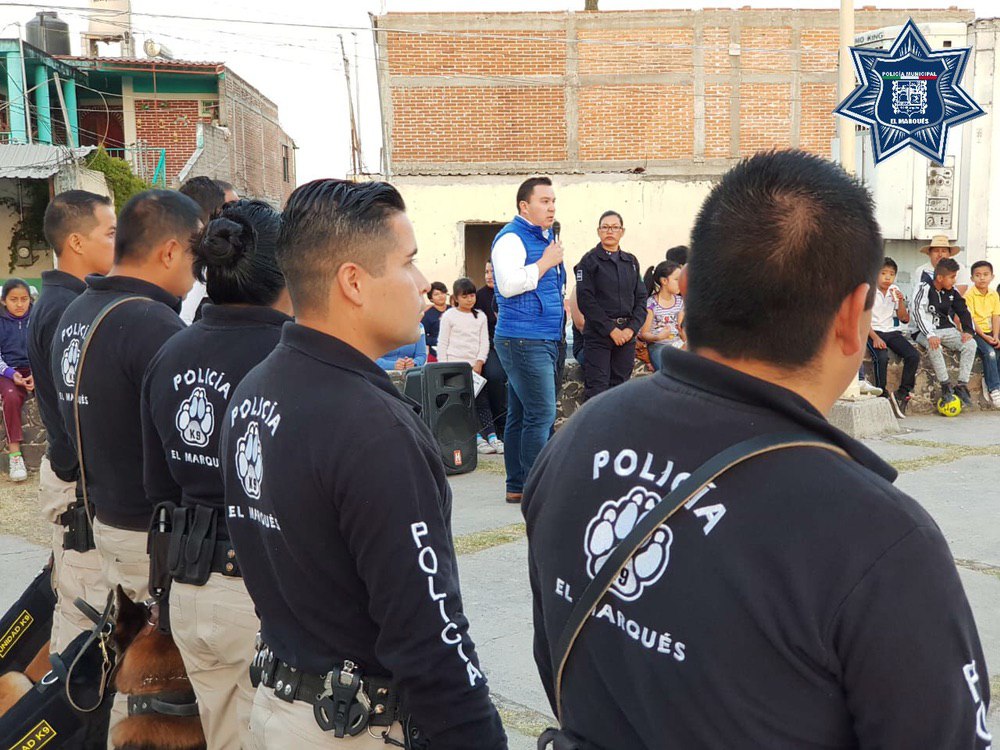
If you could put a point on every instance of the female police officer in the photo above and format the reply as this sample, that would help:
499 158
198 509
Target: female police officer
185 394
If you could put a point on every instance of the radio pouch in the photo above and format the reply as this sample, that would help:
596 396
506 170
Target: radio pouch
192 544
79 535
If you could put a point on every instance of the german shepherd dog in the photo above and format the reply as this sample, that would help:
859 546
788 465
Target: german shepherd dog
142 663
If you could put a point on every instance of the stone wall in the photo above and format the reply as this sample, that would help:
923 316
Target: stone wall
927 390
33 446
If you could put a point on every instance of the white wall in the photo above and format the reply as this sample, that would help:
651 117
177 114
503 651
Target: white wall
658 213
984 163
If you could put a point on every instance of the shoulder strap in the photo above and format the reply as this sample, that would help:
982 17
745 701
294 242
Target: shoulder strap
673 502
76 390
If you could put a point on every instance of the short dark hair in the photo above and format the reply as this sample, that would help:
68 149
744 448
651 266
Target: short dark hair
235 256
152 217
890 263
605 215
678 254
528 187
71 212
207 193
436 286
946 267
327 223
225 185
981 264
14 283
778 222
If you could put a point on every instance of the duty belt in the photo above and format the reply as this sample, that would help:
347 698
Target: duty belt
342 699
224 559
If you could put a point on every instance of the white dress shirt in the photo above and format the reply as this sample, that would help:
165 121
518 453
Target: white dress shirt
511 276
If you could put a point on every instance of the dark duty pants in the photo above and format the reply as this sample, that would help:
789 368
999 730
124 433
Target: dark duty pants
605 365
897 342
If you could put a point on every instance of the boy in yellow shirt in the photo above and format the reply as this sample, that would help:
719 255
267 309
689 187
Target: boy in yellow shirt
984 306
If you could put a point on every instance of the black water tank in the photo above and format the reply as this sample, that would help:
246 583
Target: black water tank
49 33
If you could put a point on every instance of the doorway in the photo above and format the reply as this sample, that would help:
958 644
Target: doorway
478 241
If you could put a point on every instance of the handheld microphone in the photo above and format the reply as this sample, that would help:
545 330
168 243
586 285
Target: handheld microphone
555 231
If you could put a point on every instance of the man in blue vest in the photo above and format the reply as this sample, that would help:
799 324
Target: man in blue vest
530 283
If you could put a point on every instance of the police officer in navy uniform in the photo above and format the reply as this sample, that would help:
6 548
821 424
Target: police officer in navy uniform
798 600
338 504
185 395
612 298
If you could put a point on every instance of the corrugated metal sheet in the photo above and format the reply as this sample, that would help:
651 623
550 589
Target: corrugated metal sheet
37 161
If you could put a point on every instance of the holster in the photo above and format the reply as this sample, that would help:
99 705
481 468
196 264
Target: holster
158 547
192 544
79 534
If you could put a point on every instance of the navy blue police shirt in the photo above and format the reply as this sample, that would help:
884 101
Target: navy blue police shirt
110 387
340 513
58 290
609 286
801 601
185 393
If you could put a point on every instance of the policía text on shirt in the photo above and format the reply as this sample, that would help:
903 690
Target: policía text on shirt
260 407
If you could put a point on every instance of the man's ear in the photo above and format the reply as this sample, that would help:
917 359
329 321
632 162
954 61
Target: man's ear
349 281
850 326
74 243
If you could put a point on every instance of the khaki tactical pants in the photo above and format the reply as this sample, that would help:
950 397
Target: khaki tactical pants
277 725
74 574
125 563
214 627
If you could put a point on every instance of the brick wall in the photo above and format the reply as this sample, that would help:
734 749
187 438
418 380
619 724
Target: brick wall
256 140
613 90
171 124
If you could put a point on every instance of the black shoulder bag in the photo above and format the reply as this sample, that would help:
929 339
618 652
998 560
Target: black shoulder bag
708 472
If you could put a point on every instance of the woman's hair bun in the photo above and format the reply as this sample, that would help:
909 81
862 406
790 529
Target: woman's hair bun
225 241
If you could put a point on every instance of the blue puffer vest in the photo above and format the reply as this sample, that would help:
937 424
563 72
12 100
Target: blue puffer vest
537 314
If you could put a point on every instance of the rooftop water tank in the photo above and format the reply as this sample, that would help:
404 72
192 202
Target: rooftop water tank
49 33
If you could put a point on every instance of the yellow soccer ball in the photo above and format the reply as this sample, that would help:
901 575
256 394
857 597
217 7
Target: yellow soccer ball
950 408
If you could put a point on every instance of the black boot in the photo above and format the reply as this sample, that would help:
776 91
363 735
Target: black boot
947 392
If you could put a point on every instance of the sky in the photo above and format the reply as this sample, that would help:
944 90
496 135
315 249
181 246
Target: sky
302 70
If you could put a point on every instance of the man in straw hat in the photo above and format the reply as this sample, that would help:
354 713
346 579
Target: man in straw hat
939 249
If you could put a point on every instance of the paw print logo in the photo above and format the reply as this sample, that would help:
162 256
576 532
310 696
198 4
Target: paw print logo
70 359
613 522
196 419
249 462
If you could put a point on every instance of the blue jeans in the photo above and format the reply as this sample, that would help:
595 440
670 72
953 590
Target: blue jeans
531 403
989 356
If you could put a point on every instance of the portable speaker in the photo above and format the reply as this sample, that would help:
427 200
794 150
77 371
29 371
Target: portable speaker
448 407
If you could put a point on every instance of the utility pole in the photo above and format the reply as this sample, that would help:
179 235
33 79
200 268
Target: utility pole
355 144
845 126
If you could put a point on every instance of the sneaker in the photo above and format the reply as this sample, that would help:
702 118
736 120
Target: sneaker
867 389
18 471
483 447
902 400
896 408
947 392
962 391
994 398
497 444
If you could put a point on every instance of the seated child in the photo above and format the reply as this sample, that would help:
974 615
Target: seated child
886 335
664 326
16 380
935 305
464 337
984 305
405 357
